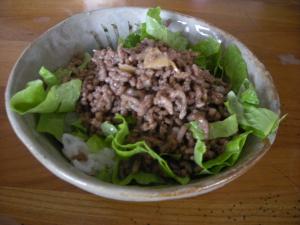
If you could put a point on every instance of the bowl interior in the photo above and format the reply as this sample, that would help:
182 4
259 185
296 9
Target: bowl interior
102 28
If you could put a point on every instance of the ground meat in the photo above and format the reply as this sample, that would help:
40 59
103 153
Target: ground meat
163 89
215 147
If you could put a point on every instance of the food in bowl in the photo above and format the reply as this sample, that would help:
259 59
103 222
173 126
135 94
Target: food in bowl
156 110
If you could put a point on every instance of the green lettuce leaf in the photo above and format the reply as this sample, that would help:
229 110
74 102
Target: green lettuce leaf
207 47
82 135
57 124
55 78
62 73
52 123
231 154
197 133
61 98
49 78
146 178
131 40
234 106
126 151
200 147
86 60
155 14
28 98
143 32
140 177
224 128
218 69
158 31
210 54
74 126
49 105
276 125
105 175
247 93
155 29
199 151
96 143
261 121
33 99
229 157
202 62
78 125
69 93
234 66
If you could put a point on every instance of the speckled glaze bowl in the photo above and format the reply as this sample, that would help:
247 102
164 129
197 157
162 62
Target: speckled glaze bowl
101 28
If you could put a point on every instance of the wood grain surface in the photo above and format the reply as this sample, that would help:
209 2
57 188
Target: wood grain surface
268 194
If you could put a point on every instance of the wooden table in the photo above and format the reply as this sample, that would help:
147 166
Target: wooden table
268 194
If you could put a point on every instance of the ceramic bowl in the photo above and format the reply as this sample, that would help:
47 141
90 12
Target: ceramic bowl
101 28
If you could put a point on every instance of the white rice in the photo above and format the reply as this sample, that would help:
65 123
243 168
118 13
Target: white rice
95 162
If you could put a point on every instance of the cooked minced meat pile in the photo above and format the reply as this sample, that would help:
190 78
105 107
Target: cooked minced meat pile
162 89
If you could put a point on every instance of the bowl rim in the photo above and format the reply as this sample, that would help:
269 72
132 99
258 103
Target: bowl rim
134 193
